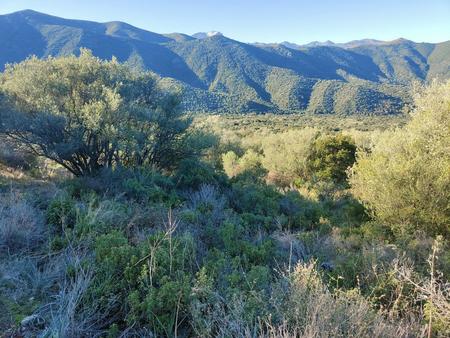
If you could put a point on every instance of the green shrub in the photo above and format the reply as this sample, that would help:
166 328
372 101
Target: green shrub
248 164
149 186
230 163
152 280
192 173
286 153
115 270
256 198
301 213
331 157
235 244
405 179
61 213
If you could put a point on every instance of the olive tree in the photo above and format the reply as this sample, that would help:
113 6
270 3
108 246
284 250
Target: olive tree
405 178
87 114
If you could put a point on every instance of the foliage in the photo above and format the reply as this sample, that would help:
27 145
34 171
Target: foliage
254 198
154 282
269 251
222 75
21 225
230 162
192 173
87 114
405 179
146 185
285 154
331 157
61 213
248 164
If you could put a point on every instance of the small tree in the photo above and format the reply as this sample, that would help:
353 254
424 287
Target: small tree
285 155
405 178
87 114
230 162
330 158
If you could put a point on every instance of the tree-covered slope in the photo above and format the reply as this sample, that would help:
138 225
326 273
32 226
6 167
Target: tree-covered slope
218 74
30 33
362 98
400 60
439 60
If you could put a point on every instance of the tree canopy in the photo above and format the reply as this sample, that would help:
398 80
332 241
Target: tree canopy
87 114
405 179
330 157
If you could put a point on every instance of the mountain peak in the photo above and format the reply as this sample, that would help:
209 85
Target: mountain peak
320 44
399 40
204 35
26 13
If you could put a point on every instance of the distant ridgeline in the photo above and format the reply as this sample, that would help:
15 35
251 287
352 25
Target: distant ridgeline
218 74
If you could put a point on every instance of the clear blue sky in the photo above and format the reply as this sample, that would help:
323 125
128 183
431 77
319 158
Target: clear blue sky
297 21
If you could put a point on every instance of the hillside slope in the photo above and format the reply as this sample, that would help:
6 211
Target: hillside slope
218 74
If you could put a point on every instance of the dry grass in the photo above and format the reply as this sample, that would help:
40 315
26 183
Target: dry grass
303 307
63 312
21 225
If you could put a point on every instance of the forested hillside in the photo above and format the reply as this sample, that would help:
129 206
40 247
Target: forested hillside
218 74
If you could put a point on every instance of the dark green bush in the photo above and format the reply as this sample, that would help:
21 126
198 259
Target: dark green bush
192 173
140 184
330 158
259 199
149 186
61 213
236 243
152 279
301 213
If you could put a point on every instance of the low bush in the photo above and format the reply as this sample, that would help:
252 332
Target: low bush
193 173
61 213
12 155
330 158
147 284
21 224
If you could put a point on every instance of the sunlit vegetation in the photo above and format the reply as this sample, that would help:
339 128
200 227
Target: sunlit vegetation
132 220
405 178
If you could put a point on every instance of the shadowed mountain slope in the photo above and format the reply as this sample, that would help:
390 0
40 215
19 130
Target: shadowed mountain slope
219 74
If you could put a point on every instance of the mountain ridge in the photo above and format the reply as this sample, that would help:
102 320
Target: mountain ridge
219 74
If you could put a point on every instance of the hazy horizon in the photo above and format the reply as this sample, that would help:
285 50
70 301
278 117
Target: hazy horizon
294 21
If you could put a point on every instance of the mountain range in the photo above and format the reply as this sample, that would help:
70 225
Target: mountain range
222 75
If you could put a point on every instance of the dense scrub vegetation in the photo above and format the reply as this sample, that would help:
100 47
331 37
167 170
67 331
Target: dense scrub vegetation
280 231
405 179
